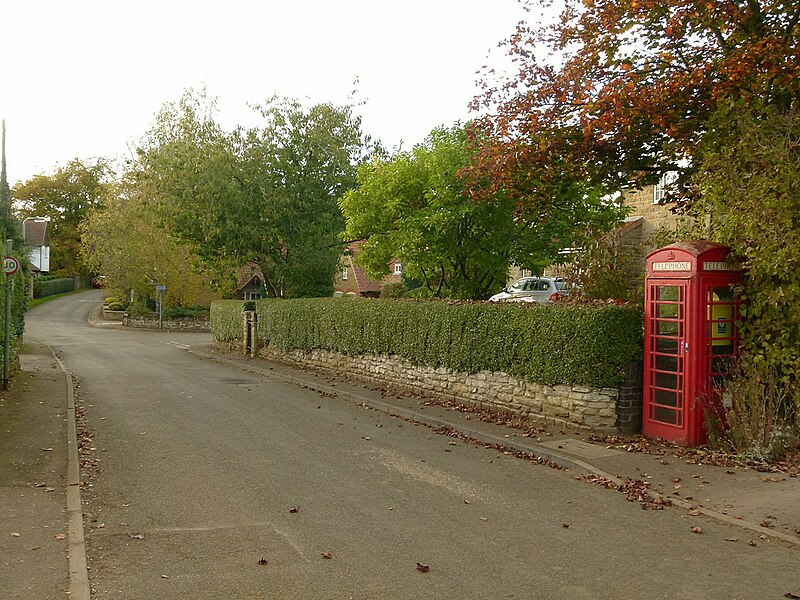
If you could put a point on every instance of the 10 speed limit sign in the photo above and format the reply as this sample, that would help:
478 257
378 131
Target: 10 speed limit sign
10 265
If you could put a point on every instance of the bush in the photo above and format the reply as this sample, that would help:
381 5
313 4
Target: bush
116 306
762 422
226 320
53 286
550 344
186 312
393 289
112 300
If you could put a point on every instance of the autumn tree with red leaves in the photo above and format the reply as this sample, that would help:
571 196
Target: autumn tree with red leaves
619 91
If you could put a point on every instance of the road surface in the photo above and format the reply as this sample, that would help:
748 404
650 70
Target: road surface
201 466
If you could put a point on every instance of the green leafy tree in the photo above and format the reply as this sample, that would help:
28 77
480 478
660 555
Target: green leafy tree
125 241
416 208
66 197
749 184
267 193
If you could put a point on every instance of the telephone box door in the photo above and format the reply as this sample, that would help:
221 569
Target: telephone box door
665 401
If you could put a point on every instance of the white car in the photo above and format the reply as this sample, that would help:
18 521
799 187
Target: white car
534 289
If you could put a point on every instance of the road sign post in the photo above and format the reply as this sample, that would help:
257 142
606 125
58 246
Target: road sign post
10 266
160 289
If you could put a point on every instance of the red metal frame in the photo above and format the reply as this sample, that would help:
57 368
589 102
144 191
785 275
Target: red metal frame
690 335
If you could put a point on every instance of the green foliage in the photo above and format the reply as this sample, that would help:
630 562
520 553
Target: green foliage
417 209
19 304
116 306
552 344
226 320
66 197
53 286
125 241
186 312
749 186
393 289
763 421
266 194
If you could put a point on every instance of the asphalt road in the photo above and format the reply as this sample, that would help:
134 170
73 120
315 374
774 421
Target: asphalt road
200 466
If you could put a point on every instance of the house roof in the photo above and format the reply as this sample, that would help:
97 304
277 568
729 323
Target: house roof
246 273
36 232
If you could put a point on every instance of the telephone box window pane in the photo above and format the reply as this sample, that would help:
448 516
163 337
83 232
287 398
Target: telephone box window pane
667 293
667 363
667 345
667 328
666 380
720 294
665 415
666 398
667 311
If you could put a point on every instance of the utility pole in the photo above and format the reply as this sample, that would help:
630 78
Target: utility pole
5 192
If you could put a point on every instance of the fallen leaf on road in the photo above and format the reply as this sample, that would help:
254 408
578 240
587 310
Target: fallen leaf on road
47 449
694 513
676 480
565 525
766 523
49 489
294 509
423 568
40 485
751 543
136 536
484 519
60 536
262 561
791 595
14 534
696 530
165 577
327 555
731 539
468 502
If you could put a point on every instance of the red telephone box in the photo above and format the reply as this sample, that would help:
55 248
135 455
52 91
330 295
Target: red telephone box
690 337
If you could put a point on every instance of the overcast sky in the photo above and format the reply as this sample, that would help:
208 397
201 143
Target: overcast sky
84 78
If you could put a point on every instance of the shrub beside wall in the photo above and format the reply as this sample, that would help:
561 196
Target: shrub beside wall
548 344
54 286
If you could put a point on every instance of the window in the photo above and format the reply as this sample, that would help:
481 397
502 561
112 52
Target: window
398 268
664 186
344 272
254 296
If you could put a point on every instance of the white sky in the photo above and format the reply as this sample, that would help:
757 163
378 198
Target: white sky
84 78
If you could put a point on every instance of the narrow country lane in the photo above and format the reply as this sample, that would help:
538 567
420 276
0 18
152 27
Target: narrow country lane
201 465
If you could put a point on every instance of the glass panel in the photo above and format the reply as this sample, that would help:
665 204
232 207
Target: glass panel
667 345
720 294
667 293
666 398
667 311
667 380
665 415
667 363
667 328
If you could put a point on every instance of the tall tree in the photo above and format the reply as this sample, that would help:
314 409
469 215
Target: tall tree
267 193
66 197
415 208
622 91
124 239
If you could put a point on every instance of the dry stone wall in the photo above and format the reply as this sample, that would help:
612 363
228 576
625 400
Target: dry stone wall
568 405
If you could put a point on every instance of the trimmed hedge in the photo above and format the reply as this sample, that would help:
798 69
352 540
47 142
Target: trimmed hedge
550 344
226 320
54 286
